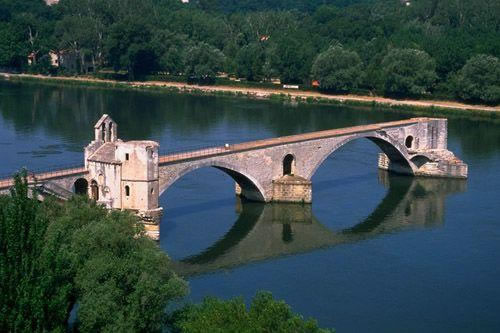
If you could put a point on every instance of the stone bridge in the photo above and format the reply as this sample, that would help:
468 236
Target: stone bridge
263 232
131 175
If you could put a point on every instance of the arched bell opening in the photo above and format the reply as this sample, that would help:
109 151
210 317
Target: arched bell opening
103 132
81 186
108 134
288 165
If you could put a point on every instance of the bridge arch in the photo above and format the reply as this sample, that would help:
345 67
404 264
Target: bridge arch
81 186
395 151
420 160
250 187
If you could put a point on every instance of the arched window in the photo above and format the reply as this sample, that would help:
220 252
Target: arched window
288 166
127 191
409 141
94 190
126 156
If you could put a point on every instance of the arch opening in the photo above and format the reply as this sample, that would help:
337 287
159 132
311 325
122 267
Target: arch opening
94 190
81 186
127 190
110 128
288 165
409 141
398 162
103 132
248 188
420 160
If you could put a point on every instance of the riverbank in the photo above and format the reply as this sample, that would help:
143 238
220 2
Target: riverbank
264 93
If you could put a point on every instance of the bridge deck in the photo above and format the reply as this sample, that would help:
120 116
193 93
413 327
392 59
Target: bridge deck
245 146
259 144
33 178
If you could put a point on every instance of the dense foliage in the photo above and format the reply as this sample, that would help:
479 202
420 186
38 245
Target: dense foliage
337 69
262 40
264 315
54 256
479 79
57 257
408 72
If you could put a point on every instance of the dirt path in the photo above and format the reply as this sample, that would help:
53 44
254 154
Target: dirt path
266 93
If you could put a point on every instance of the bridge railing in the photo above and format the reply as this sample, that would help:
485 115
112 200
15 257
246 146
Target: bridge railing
195 151
192 154
48 172
193 148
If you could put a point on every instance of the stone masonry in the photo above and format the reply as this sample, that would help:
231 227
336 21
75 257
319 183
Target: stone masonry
131 175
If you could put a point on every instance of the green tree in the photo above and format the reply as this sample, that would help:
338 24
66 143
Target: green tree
12 52
337 69
129 46
250 61
169 47
408 72
265 315
202 62
22 228
479 80
290 58
74 36
53 256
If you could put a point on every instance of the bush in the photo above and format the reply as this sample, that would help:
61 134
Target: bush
408 72
265 315
53 256
479 80
337 69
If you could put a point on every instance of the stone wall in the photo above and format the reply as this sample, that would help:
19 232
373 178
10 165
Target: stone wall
292 189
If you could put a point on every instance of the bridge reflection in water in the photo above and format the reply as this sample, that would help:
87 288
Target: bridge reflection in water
264 231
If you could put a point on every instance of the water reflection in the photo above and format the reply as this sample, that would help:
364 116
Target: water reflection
70 112
266 231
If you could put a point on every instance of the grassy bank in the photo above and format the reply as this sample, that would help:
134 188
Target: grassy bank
421 108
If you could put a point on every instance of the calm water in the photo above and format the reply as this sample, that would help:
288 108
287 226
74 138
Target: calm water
373 253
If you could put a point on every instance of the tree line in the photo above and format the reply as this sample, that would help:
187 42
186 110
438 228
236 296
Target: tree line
77 257
430 48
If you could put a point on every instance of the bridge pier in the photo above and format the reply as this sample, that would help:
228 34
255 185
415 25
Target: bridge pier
151 220
434 163
293 189
289 188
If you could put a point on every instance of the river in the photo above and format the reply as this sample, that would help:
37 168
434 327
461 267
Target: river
374 252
